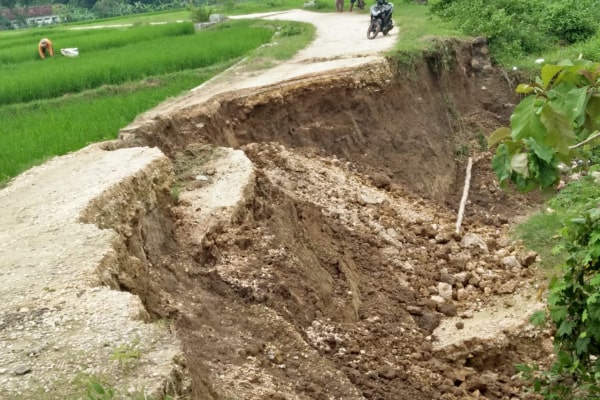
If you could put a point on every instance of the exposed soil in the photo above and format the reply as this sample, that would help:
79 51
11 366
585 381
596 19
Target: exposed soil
339 274
332 279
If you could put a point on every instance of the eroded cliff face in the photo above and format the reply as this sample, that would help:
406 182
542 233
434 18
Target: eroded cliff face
299 242
333 267
410 122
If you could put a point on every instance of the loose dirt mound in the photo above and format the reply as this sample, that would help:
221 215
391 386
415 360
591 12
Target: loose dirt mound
331 279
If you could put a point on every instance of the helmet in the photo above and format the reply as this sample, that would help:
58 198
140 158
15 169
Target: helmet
381 2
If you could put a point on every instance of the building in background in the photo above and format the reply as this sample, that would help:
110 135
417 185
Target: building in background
30 16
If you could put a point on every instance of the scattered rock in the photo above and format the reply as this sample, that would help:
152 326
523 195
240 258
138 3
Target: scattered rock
437 299
388 373
529 259
448 309
444 290
508 287
414 310
368 198
381 181
22 370
472 240
511 262
447 278
443 237
462 294
428 321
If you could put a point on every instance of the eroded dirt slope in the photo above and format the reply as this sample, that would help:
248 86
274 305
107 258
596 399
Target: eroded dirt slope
332 278
311 252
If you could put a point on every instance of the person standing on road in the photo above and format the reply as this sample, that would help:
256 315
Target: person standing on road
339 5
45 48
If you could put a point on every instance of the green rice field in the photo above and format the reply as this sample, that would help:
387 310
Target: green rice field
53 106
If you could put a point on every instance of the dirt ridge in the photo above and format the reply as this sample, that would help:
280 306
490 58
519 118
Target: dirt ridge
59 323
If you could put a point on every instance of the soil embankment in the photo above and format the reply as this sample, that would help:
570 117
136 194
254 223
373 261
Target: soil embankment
307 249
339 266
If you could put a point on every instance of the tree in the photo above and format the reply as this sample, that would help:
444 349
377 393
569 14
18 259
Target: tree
558 121
558 117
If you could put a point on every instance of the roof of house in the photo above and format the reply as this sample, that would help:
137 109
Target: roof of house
30 12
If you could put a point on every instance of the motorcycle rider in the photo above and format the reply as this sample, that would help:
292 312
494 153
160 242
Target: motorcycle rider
387 19
381 19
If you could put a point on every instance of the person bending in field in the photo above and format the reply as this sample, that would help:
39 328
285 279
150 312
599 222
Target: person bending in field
45 48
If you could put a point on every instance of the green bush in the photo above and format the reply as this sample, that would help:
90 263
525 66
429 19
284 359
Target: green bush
572 21
201 14
517 27
321 4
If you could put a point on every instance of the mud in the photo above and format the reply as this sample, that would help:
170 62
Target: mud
330 280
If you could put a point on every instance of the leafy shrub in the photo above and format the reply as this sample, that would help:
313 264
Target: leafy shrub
320 4
572 21
291 30
201 14
558 117
515 27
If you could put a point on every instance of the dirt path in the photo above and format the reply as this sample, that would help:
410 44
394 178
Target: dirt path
340 42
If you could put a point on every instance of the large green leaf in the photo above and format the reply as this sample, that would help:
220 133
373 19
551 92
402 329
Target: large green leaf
525 121
565 328
548 175
538 318
569 100
524 184
540 149
518 163
501 163
559 129
549 73
581 345
525 88
498 136
593 113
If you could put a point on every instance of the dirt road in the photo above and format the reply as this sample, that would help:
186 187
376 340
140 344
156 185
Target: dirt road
340 42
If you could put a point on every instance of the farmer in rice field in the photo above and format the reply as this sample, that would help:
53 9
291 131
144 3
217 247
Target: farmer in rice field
45 48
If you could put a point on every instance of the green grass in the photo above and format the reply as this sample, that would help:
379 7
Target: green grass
589 50
251 7
120 63
541 231
108 89
31 133
24 47
138 19
418 29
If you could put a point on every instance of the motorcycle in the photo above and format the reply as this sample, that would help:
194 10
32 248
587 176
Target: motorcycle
381 19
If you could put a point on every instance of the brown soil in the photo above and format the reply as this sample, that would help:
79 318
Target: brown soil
326 285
